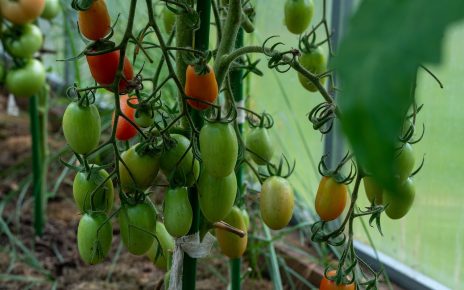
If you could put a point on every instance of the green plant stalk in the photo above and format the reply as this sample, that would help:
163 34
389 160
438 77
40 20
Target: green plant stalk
237 89
275 273
37 167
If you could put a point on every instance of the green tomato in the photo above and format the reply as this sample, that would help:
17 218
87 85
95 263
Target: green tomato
216 195
144 119
144 169
94 236
374 191
169 20
315 62
400 201
246 218
298 15
27 80
24 45
138 226
404 162
83 187
51 10
177 211
81 127
259 142
276 202
186 169
158 252
219 148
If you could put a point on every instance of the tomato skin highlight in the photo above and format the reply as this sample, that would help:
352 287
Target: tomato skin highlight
326 284
103 68
82 127
202 87
103 198
259 142
166 242
315 62
177 211
399 202
276 202
27 80
94 249
216 195
330 198
124 130
138 226
28 42
21 11
232 245
144 169
219 148
298 15
95 23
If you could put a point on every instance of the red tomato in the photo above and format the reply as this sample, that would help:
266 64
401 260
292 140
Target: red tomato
104 67
326 284
21 11
201 86
125 130
95 23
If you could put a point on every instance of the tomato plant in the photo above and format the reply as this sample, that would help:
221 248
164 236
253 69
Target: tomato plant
21 11
26 80
124 129
202 86
330 198
89 193
24 41
94 236
95 23
298 15
276 202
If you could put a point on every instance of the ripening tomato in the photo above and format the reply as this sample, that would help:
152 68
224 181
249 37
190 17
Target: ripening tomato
330 198
219 148
143 167
315 62
326 284
399 202
404 162
259 142
276 202
26 80
103 68
298 15
373 190
169 20
52 8
21 11
94 236
95 22
125 130
81 127
203 87
232 245
138 226
23 41
86 194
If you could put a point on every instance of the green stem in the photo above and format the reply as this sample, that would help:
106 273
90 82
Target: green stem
275 273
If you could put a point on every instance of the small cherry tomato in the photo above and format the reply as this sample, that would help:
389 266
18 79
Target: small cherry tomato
23 41
315 62
21 11
203 87
399 202
298 15
95 23
26 80
259 142
330 198
276 202
327 284
94 236
125 130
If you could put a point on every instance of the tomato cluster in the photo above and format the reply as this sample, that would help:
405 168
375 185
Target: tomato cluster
22 40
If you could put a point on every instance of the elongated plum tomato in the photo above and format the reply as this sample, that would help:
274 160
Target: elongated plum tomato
177 155
327 284
203 87
103 68
138 226
177 211
219 148
23 41
27 80
404 162
298 15
52 8
169 20
276 202
330 198
94 236
81 127
125 130
95 23
400 202
259 142
373 190
165 244
232 245
315 62
21 11
143 167
216 195
86 194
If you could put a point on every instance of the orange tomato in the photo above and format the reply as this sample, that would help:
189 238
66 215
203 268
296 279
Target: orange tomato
203 87
21 11
103 68
330 198
125 130
95 23
326 284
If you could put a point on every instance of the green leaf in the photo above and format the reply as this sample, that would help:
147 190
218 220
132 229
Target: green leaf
377 64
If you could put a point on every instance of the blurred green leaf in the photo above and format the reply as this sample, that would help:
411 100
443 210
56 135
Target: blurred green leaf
377 64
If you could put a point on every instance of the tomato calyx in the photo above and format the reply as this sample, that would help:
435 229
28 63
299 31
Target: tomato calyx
81 5
340 276
336 173
307 45
149 147
199 61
